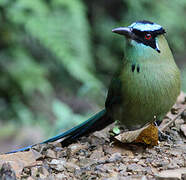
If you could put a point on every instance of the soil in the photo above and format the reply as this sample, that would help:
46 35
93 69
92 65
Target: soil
99 156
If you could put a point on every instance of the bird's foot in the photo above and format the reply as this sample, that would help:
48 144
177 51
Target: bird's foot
163 136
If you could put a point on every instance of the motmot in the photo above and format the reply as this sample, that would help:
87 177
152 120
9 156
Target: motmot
145 86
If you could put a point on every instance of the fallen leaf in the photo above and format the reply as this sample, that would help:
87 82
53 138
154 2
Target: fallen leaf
129 136
147 135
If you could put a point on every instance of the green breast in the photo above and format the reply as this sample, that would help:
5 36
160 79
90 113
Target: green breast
148 91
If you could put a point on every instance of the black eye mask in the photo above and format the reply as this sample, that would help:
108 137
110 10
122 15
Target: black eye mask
148 38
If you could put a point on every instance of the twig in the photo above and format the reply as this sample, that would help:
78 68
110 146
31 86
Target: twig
170 122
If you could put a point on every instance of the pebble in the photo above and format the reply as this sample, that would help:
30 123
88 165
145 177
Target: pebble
34 171
71 167
183 116
61 176
172 165
74 148
50 153
58 164
183 129
7 172
134 168
122 167
115 157
171 174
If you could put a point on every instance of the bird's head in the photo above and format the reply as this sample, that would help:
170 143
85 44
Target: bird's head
143 32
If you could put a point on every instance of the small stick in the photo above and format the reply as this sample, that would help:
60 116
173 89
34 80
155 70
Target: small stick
170 122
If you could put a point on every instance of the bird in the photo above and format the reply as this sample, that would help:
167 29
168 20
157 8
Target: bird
146 84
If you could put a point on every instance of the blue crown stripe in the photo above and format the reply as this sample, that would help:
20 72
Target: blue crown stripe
145 26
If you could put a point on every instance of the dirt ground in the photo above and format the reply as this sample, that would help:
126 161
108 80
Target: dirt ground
99 156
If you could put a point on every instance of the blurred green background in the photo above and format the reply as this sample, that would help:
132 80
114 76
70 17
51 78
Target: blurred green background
57 58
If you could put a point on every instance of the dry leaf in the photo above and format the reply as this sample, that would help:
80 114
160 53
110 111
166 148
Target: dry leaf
147 135
129 136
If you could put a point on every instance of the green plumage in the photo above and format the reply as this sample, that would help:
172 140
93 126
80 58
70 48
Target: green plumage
147 84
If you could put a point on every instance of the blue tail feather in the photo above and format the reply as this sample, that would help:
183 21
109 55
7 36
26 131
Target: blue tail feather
79 129
20 150
96 122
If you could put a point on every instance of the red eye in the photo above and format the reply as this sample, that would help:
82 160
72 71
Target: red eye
148 36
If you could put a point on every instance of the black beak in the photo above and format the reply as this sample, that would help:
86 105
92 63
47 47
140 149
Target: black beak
126 31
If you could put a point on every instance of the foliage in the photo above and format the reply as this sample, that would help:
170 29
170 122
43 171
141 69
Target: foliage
40 40
57 57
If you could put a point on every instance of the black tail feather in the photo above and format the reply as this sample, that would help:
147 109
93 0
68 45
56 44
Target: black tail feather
95 123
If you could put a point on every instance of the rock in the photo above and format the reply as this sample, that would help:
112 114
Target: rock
170 174
175 152
84 162
134 168
50 154
144 178
102 134
175 109
36 154
97 154
26 172
7 173
160 162
172 165
142 163
34 171
115 157
57 164
18 160
106 168
61 176
178 123
183 116
71 167
62 153
183 177
183 129
30 178
43 171
101 168
122 167
74 148
175 135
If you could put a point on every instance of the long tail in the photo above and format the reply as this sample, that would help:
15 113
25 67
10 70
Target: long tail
95 123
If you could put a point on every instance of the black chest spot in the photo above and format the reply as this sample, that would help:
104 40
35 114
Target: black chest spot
133 68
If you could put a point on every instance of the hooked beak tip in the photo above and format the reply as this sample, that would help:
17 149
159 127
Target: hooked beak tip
126 31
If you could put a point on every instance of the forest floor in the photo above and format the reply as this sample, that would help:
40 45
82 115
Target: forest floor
100 157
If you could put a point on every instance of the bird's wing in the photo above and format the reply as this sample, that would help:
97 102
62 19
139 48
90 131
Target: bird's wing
114 96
